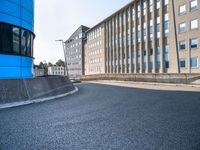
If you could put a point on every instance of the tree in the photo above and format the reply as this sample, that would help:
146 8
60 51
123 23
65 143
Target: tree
60 63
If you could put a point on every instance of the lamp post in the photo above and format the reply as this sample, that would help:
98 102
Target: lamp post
65 64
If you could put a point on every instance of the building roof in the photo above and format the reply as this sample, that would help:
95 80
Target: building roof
126 6
82 27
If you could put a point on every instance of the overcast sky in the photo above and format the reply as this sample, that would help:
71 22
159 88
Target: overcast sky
58 19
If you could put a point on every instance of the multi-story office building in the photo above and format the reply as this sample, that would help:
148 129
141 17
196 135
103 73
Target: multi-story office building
95 51
75 52
149 36
16 38
56 70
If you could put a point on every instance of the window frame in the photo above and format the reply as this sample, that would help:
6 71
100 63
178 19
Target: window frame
179 8
196 19
193 9
197 62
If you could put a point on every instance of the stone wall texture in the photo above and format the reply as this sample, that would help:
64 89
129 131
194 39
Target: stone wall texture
159 78
13 90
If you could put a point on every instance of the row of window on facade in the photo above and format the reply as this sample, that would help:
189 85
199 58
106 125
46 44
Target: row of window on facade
122 61
95 52
95 34
74 51
73 45
74 63
193 44
194 63
15 40
138 31
94 60
194 24
72 57
93 45
193 5
144 11
97 69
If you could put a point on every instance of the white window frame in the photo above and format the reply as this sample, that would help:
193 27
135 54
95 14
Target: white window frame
197 24
180 8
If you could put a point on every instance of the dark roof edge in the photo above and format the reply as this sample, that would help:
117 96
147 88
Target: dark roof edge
81 26
126 6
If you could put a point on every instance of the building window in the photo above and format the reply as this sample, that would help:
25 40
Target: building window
193 24
182 27
158 57
182 63
166 2
157 4
144 7
138 10
182 45
194 62
182 9
193 5
16 40
166 27
166 56
194 43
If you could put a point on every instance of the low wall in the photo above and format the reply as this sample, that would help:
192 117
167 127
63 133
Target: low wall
160 78
12 90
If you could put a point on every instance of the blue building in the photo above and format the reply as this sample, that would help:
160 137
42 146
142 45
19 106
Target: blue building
16 38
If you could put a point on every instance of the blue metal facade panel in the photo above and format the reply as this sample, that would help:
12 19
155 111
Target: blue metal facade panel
16 66
19 13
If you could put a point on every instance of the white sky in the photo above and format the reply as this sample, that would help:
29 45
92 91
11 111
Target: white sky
58 19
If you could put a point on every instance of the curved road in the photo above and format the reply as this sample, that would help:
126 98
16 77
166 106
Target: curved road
105 117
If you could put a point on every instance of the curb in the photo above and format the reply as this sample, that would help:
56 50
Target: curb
16 104
147 83
152 86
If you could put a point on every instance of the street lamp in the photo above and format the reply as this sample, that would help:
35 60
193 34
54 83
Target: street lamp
65 64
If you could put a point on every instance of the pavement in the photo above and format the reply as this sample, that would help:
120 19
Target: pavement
105 117
150 85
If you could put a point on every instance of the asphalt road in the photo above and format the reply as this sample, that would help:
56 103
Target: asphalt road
105 117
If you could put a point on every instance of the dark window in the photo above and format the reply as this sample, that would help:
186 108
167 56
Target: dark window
151 51
16 40
194 43
182 63
5 38
182 45
166 64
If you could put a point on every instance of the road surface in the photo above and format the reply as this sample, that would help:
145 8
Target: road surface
105 117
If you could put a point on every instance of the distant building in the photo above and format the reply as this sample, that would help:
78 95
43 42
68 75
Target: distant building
55 70
38 71
146 36
95 51
75 52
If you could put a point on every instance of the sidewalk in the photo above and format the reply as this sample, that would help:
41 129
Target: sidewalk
150 85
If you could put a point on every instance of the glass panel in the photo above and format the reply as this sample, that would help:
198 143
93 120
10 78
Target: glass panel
28 44
194 24
193 5
5 38
23 42
182 9
194 43
182 45
194 62
16 40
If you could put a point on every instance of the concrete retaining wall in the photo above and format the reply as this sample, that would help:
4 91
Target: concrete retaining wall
12 90
159 78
